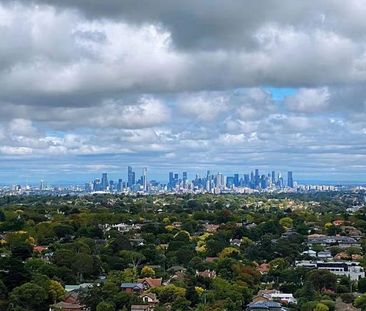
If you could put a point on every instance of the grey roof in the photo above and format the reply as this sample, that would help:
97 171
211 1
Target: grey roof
132 285
265 304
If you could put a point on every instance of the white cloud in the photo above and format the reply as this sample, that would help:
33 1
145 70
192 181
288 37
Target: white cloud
309 100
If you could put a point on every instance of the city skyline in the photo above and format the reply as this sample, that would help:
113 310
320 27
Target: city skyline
134 175
97 85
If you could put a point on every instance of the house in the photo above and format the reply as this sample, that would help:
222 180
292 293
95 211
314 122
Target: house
149 298
150 282
265 306
309 252
211 228
263 268
206 274
70 303
327 241
235 242
142 308
65 306
324 255
39 248
275 295
351 269
71 288
133 287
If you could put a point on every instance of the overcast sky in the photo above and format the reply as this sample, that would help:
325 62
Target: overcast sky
88 86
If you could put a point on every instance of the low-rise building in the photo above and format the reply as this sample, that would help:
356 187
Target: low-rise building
351 269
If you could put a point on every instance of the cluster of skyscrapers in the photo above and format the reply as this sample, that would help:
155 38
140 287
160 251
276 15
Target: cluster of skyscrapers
214 183
218 181
105 184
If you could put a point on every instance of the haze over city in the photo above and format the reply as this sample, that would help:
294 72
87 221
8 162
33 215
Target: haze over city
88 87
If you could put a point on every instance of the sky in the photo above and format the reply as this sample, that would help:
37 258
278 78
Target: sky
88 86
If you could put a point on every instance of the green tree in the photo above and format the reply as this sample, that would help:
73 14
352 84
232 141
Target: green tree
360 302
286 222
56 291
28 296
322 279
321 307
105 306
82 264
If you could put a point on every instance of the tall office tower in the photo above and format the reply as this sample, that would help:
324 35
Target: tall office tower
230 182
42 186
88 187
97 185
252 181
246 180
131 177
256 178
111 185
144 179
236 180
220 180
119 185
263 182
171 180
176 179
273 178
290 181
104 184
279 181
185 177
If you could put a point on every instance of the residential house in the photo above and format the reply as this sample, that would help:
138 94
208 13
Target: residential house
211 228
265 306
142 308
351 269
150 282
70 303
149 299
275 295
235 242
133 287
206 274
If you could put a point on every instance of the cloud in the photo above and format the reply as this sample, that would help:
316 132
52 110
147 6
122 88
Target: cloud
183 85
309 100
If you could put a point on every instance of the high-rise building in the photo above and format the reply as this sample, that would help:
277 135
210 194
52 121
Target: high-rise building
131 177
171 180
97 185
273 179
104 184
256 178
185 177
290 181
236 180
119 185
144 179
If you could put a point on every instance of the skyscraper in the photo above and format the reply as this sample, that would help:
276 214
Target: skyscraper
119 185
144 179
185 180
171 180
130 177
290 181
236 180
104 184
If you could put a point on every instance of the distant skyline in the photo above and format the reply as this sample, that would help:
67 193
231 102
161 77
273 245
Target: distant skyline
226 85
74 177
